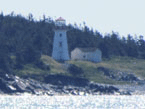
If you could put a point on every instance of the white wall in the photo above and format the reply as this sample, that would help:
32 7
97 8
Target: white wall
60 53
76 54
95 56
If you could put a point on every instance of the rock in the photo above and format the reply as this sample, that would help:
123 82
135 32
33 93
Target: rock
119 76
19 86
30 89
8 77
81 93
113 88
141 82
66 80
74 92
105 70
56 84
49 93
4 87
101 88
92 86
125 93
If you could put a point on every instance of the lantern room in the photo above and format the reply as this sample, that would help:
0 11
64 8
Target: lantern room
60 22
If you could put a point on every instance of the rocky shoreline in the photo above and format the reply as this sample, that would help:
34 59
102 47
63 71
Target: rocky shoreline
59 85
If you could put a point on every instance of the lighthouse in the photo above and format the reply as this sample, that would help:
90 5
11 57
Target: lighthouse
60 45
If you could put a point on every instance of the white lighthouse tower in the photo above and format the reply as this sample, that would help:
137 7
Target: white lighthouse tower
60 46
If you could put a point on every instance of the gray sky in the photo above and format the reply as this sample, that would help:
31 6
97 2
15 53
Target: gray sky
122 16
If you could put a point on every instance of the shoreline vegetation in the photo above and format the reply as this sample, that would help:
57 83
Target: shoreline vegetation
59 81
26 48
118 70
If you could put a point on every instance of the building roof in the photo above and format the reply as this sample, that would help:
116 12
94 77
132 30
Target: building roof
60 19
90 49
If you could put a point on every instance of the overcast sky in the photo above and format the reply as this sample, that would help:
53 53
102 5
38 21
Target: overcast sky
122 16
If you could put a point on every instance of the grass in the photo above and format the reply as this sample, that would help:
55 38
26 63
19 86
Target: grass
116 64
30 69
91 72
124 64
55 67
127 64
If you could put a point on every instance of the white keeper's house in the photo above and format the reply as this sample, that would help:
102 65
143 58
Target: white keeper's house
60 46
86 54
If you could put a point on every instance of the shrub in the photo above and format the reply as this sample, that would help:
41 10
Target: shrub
74 70
42 66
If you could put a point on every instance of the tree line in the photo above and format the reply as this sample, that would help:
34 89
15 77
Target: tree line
27 39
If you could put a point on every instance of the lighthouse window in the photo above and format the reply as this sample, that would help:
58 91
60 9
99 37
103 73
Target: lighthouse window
60 34
60 44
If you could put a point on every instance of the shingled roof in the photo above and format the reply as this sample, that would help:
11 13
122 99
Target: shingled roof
88 49
60 19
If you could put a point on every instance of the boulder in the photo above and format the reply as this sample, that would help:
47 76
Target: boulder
4 87
93 86
105 70
66 80
125 93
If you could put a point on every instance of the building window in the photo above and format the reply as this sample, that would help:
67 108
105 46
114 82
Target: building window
60 35
84 56
60 44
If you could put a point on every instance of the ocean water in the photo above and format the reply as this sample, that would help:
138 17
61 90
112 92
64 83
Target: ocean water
73 102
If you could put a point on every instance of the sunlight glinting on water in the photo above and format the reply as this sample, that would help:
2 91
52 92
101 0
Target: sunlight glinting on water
73 102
